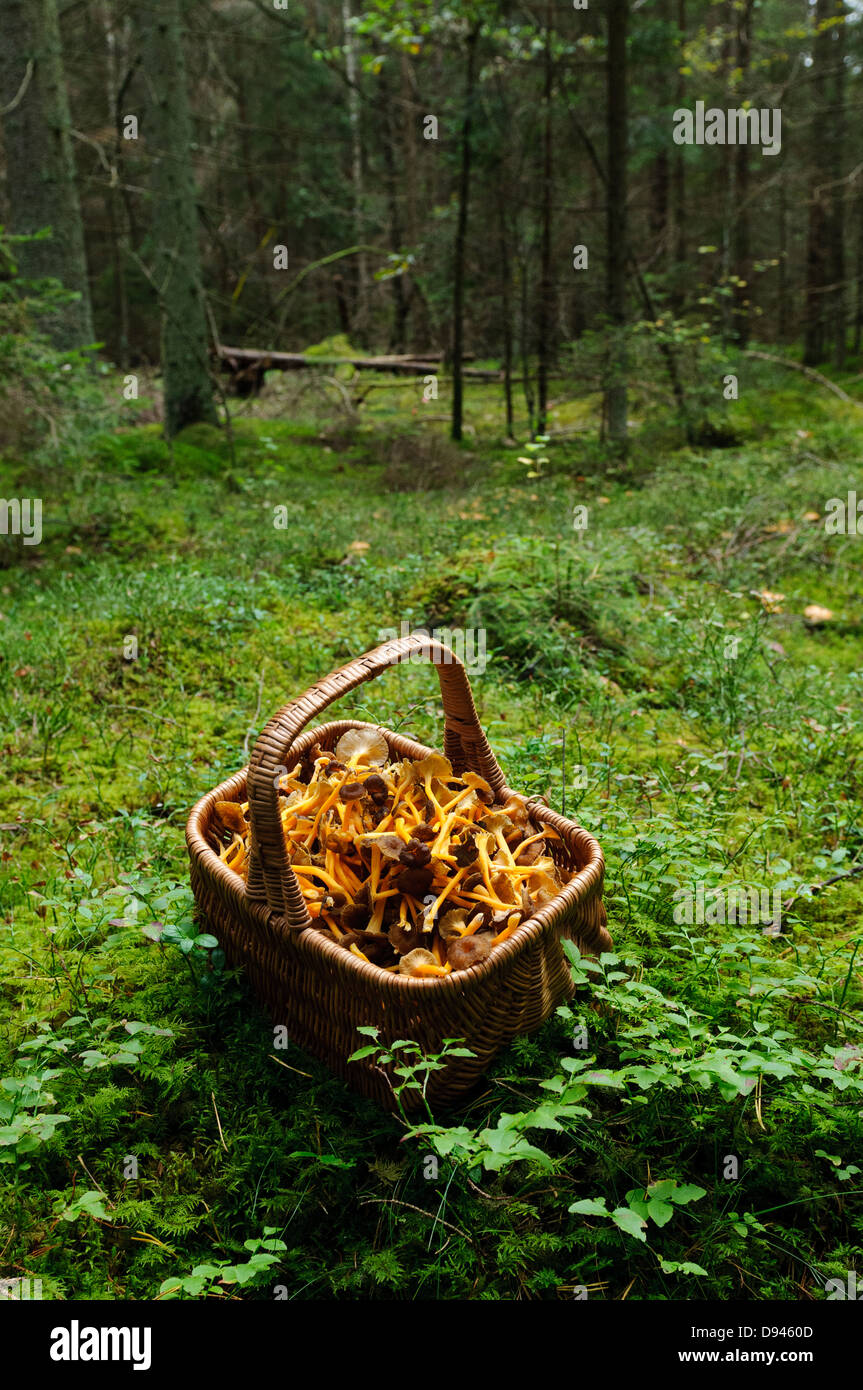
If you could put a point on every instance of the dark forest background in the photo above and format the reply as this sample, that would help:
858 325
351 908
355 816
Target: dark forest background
175 147
550 383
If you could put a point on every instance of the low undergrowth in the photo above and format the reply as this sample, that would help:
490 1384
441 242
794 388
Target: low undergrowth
689 1125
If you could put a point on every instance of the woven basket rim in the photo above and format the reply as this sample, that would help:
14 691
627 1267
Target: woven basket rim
316 941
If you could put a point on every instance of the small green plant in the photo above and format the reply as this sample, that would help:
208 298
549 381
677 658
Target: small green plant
654 1203
715 741
29 1119
415 1067
217 1278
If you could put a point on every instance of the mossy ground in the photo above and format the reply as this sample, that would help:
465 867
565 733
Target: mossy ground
693 757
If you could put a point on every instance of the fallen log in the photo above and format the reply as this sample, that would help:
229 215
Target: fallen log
247 366
806 371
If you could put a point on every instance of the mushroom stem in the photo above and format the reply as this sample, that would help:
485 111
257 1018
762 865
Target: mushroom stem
484 862
532 839
490 899
332 924
512 926
504 848
319 873
451 883
330 801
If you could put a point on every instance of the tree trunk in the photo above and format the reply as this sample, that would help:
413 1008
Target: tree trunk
430 198
361 312
659 168
398 331
741 235
616 366
679 184
836 151
116 208
858 290
819 197
546 289
524 344
782 307
177 269
262 227
40 166
724 187
461 238
506 305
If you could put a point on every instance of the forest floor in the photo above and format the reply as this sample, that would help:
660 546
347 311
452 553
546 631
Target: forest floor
706 1137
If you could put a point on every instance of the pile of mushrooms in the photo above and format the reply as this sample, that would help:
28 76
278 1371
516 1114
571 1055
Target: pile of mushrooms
406 865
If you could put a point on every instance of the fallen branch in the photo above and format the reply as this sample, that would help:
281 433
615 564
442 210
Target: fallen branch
218 1121
19 95
237 358
807 371
774 928
421 1211
255 716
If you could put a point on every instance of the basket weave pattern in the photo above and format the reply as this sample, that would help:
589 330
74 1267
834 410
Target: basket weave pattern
321 992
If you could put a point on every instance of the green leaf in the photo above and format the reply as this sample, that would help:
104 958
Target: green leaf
682 1267
662 1190
590 1206
660 1212
630 1222
687 1192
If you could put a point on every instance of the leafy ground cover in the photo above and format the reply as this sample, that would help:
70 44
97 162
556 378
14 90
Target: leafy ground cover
689 1126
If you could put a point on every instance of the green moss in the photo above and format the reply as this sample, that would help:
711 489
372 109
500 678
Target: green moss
690 765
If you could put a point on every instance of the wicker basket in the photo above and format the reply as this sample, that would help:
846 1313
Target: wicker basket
321 992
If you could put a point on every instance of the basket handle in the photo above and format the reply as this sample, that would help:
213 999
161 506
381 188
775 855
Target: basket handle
271 878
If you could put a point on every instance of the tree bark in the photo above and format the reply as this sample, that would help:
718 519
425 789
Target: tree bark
361 312
546 288
116 208
679 184
836 148
398 331
858 289
819 196
177 269
666 348
741 234
461 237
616 232
40 166
782 307
660 177
506 306
524 339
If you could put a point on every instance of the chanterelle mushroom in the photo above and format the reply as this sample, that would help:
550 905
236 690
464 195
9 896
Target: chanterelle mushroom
420 963
230 813
453 923
410 867
466 951
366 746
